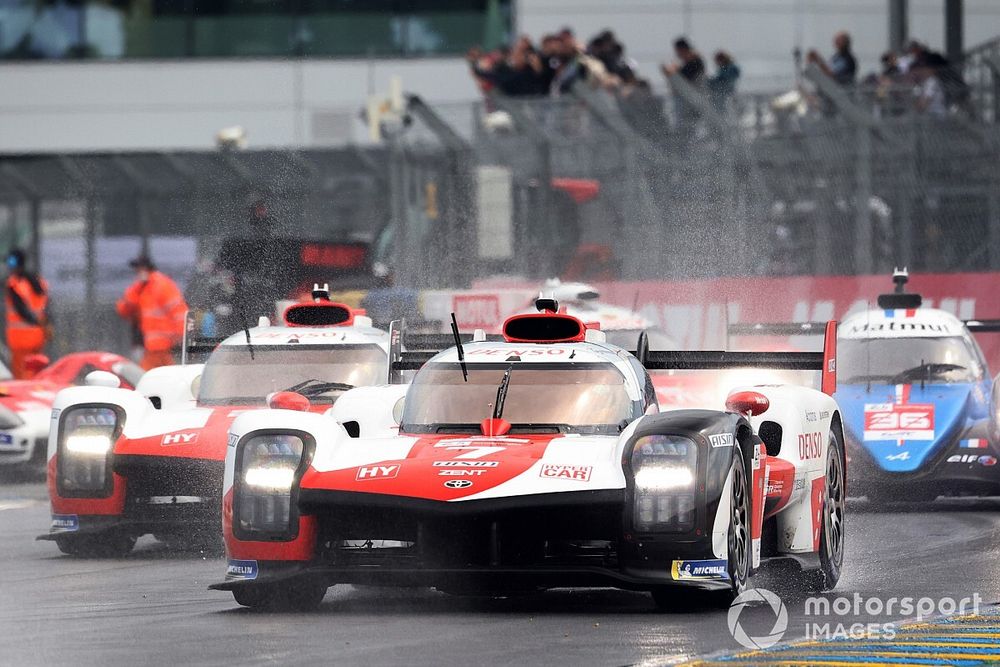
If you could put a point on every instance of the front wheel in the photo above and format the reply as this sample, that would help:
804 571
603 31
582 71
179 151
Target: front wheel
300 595
114 545
738 546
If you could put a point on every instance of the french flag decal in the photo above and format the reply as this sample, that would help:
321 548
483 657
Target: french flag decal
900 312
975 443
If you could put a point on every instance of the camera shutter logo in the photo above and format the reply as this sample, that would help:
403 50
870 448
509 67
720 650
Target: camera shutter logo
752 596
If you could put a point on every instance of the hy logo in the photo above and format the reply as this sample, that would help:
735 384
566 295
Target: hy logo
756 596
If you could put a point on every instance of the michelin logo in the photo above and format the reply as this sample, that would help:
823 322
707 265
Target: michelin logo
241 569
65 523
700 569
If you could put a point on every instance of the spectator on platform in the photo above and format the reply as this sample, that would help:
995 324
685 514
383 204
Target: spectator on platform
722 84
691 67
930 92
843 66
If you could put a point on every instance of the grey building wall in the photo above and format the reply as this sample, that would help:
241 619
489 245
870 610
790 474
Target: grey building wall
135 105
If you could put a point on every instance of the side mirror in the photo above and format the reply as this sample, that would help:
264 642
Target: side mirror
35 363
287 400
749 403
102 379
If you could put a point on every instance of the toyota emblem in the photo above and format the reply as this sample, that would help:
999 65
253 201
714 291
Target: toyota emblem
458 483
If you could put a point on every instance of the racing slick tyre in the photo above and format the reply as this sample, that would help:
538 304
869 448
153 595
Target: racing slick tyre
38 465
96 546
739 544
831 539
298 595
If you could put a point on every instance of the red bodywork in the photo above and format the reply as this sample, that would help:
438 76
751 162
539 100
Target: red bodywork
40 391
425 477
207 443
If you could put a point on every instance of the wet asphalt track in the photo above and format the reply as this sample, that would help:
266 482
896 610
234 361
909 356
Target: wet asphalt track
153 607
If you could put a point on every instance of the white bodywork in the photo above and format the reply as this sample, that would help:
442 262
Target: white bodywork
799 411
901 323
176 387
25 428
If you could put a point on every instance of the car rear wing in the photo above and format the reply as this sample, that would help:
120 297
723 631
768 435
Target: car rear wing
825 361
410 351
196 350
982 326
777 329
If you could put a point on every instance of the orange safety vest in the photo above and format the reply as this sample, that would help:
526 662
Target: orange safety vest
159 307
23 334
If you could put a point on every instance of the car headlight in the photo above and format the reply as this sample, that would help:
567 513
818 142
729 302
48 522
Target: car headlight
86 438
268 467
664 469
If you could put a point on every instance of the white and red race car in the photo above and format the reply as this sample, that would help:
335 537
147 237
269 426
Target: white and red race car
125 463
539 461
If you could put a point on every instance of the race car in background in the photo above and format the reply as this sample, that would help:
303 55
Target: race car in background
26 405
126 463
538 461
487 307
920 407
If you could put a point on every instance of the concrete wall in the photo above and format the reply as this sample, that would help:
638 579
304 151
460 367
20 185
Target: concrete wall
166 104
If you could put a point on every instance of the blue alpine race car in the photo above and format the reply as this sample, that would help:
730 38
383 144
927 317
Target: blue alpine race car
918 401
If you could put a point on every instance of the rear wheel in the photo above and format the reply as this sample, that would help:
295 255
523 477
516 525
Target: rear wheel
831 540
298 595
111 545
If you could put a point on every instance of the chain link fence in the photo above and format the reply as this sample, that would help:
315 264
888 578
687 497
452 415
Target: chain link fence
819 180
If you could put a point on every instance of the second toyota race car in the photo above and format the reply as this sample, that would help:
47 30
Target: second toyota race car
127 463
25 405
538 461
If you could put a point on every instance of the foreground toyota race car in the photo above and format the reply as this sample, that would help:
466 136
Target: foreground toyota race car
126 463
25 405
536 462
920 408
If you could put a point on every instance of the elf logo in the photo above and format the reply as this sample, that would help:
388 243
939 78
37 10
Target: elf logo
377 472
180 438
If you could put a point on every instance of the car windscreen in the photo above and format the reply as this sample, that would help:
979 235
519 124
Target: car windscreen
320 372
906 360
568 397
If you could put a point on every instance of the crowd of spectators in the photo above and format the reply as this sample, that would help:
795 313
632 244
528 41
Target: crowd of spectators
917 79
937 84
555 65
560 61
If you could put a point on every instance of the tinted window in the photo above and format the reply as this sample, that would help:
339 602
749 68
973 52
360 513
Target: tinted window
320 372
587 397
907 360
